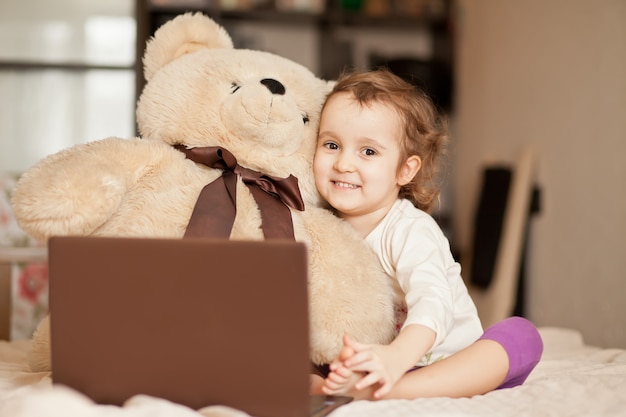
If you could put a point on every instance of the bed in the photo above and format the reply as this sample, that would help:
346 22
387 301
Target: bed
572 379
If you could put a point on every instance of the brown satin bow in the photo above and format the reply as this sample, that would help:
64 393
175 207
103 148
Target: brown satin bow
214 213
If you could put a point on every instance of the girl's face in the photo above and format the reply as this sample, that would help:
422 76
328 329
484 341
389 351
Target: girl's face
357 166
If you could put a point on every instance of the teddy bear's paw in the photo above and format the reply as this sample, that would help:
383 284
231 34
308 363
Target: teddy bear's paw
73 191
39 355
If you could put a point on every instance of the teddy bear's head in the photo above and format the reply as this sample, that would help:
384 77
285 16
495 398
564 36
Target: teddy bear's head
201 91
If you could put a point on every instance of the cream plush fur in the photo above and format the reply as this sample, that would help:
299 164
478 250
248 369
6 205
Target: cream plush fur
201 91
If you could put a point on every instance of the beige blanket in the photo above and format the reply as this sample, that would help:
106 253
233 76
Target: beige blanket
572 379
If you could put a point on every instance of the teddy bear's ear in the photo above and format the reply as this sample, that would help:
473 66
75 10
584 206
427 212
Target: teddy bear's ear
184 34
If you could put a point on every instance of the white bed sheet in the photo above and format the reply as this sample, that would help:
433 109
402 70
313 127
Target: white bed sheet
572 379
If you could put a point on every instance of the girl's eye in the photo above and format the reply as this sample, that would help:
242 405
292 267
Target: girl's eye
331 145
234 87
369 152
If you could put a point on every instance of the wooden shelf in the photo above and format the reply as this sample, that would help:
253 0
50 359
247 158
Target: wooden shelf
330 17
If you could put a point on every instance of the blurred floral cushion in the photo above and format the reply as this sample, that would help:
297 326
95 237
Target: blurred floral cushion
28 267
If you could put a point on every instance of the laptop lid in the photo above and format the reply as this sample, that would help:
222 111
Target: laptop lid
195 321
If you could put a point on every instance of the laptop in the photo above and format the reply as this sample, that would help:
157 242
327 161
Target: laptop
195 321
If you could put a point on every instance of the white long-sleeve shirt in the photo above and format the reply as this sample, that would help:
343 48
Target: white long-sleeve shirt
415 253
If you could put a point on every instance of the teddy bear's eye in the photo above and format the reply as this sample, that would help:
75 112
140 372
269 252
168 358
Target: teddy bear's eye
305 118
234 87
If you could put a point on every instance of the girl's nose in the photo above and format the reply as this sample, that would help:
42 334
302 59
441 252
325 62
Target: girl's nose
344 163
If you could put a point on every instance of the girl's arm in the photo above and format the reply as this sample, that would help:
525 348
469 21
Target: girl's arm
421 264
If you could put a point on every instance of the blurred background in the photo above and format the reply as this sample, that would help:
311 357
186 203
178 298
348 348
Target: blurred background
512 76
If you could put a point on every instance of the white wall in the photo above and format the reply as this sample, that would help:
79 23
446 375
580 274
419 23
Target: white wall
553 74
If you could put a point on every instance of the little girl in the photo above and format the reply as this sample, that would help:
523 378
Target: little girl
379 147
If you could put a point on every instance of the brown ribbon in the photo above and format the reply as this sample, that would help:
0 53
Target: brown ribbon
214 213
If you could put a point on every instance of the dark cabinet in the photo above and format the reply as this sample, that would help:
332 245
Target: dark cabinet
329 18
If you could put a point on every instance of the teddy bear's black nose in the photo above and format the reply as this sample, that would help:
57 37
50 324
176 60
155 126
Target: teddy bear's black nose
274 86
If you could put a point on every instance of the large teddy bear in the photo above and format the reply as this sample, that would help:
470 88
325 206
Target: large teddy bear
262 110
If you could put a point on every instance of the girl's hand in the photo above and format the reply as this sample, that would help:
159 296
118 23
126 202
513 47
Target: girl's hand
386 364
381 363
341 380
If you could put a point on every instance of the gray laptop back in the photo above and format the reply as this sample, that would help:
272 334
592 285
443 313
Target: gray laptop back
195 321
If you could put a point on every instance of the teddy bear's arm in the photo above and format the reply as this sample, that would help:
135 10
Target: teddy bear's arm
348 291
76 190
